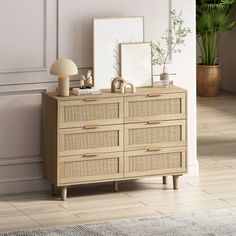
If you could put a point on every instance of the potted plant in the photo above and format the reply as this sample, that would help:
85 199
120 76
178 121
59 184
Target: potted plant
213 22
173 38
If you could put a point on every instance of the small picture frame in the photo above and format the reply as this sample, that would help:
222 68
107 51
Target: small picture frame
136 63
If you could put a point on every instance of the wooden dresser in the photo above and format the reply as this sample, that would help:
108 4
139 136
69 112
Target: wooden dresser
113 136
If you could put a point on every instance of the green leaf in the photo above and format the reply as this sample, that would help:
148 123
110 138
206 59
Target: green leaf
173 39
213 17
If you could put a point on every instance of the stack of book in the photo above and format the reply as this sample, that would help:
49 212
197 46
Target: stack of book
92 91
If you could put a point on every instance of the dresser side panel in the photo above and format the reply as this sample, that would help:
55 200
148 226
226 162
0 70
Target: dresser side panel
50 136
186 130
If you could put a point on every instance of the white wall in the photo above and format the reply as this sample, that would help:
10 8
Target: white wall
185 67
29 47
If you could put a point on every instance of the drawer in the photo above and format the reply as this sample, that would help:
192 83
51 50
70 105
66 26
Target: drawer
90 167
155 161
90 139
155 134
90 111
154 106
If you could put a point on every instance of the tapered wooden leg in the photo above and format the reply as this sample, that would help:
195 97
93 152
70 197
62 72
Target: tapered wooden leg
115 186
164 179
63 193
176 181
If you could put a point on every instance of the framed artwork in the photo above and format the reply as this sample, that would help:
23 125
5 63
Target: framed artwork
108 33
136 63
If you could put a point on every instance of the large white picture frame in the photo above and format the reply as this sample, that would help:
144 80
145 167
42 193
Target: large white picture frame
108 33
136 63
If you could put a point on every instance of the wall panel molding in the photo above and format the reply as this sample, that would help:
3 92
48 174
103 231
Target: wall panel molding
29 56
7 161
20 123
42 67
27 88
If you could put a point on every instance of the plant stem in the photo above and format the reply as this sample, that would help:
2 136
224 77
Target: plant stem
167 55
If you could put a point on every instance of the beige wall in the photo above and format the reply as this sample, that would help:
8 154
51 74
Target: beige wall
29 45
227 60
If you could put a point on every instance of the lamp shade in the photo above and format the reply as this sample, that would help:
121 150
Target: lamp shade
64 67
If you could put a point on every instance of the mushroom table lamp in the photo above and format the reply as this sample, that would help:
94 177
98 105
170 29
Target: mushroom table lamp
64 68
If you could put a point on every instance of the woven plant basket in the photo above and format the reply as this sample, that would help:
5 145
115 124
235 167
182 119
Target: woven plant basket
208 80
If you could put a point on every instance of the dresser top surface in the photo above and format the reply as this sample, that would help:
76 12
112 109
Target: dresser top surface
106 93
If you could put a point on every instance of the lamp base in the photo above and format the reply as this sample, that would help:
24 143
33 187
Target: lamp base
63 86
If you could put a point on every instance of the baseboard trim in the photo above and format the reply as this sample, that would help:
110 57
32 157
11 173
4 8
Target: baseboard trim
24 186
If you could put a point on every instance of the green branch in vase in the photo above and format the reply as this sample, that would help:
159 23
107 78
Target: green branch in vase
173 39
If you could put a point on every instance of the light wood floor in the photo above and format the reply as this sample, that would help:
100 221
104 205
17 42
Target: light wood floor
215 187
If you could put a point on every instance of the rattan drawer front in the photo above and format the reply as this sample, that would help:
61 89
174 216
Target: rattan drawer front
155 133
91 111
90 139
154 106
90 167
154 161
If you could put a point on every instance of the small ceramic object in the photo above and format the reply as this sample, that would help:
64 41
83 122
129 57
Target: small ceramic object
89 80
116 84
126 84
82 81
